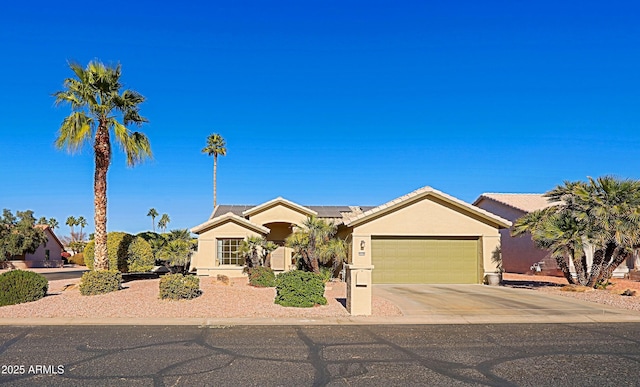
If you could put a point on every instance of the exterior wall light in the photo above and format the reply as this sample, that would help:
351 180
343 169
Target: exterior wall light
362 243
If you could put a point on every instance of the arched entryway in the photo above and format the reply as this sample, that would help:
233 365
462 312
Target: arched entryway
281 258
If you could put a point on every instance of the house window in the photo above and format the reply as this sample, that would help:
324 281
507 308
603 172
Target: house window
228 252
47 254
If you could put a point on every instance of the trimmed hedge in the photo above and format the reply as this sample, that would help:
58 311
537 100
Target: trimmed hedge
117 248
179 287
300 289
89 254
19 286
140 256
77 259
262 277
100 282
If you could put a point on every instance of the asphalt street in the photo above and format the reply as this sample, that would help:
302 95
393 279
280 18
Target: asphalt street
374 355
53 276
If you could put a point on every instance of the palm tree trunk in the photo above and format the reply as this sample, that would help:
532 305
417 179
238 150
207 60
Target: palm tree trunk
215 171
102 150
564 266
315 267
619 256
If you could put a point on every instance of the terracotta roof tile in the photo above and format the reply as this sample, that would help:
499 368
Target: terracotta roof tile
527 202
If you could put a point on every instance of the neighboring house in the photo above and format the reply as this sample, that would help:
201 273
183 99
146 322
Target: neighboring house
519 254
48 254
425 236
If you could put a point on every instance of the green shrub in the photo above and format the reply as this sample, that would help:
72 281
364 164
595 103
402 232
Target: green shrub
300 289
77 259
176 255
262 277
100 281
117 247
179 287
89 254
18 286
326 273
140 256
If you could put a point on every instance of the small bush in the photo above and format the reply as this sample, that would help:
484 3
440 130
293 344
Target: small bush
179 287
300 289
77 259
326 273
100 282
140 256
18 286
262 277
176 255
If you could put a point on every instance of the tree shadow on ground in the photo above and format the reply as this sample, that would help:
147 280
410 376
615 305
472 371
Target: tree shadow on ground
524 284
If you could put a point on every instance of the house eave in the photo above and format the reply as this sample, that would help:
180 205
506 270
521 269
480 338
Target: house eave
229 216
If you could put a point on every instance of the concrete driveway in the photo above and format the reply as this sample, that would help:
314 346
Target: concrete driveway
493 304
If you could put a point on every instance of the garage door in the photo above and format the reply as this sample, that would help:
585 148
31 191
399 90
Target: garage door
425 260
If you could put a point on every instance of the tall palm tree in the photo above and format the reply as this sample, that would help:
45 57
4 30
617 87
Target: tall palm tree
99 107
71 222
82 222
153 213
42 220
215 146
163 222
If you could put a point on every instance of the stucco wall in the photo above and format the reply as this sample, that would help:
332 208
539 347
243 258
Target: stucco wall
428 216
205 258
38 258
518 253
278 213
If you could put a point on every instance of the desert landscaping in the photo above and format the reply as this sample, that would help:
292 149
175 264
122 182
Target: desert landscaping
237 299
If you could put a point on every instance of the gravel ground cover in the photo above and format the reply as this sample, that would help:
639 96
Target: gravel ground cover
558 285
140 299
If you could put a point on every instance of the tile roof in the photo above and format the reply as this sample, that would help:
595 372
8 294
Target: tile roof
225 217
350 214
383 208
236 209
526 202
336 213
276 201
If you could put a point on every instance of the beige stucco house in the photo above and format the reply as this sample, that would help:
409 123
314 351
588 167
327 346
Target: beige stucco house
425 236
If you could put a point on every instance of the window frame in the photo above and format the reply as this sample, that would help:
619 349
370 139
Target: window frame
226 251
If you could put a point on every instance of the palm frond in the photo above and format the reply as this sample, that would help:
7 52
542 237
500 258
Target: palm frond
215 145
135 145
75 131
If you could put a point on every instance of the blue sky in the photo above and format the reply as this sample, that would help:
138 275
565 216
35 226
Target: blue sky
323 102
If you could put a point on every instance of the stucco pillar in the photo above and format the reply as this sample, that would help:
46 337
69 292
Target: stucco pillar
359 277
